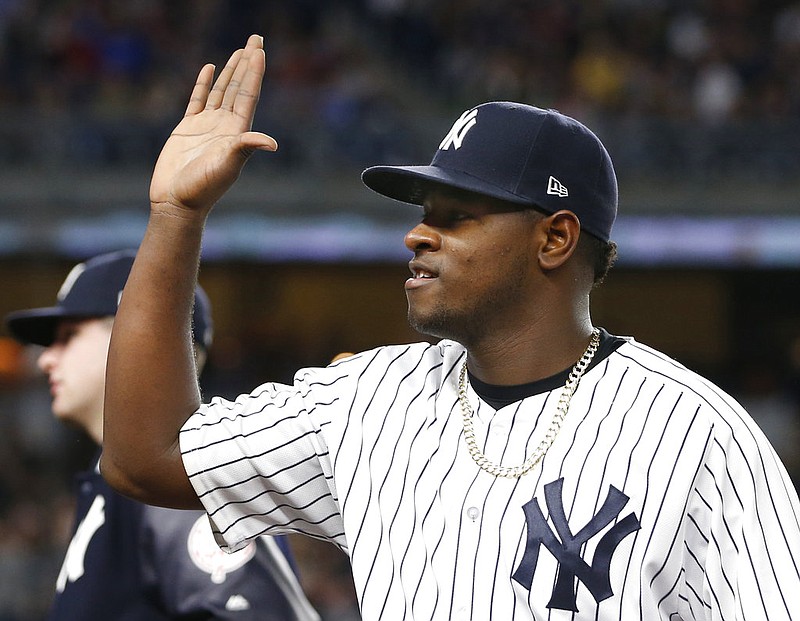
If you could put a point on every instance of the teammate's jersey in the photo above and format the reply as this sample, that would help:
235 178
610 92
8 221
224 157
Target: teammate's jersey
659 498
132 562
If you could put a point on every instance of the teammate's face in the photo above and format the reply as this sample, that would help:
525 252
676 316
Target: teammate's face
472 268
75 365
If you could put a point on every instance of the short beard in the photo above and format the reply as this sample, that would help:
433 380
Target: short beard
442 323
470 326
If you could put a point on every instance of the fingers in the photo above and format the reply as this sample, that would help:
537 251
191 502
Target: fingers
250 88
241 95
220 86
239 83
199 96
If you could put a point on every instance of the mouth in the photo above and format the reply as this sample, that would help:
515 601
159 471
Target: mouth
416 274
420 275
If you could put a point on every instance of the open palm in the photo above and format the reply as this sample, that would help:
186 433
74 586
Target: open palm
205 153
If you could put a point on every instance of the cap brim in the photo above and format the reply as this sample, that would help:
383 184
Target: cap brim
410 184
36 326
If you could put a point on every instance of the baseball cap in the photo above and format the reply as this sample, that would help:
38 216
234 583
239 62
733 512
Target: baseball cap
517 153
93 289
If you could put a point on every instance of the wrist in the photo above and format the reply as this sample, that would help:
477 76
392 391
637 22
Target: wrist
182 214
178 225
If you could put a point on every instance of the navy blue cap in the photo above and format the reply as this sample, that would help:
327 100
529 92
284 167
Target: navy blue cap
93 289
517 153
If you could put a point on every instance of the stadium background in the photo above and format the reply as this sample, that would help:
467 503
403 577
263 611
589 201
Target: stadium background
697 101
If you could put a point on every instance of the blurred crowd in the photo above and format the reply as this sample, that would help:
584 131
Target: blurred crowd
345 76
712 60
709 59
95 81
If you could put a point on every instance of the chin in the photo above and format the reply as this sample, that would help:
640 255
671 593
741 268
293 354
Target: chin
438 326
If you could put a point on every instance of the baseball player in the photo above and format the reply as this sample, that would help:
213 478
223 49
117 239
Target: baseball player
528 465
127 560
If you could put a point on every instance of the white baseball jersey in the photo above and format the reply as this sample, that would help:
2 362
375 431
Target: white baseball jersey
659 499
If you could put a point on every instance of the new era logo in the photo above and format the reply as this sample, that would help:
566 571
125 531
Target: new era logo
556 188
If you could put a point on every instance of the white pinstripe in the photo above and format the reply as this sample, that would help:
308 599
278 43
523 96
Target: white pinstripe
368 453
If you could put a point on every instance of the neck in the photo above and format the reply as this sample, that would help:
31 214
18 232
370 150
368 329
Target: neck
94 429
539 353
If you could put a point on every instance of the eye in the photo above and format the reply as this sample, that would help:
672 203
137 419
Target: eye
457 216
65 333
444 218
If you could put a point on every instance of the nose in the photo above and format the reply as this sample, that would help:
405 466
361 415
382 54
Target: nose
423 237
47 359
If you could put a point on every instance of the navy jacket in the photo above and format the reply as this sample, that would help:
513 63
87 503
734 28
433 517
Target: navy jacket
133 562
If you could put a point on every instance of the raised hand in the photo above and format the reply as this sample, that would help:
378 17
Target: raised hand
206 152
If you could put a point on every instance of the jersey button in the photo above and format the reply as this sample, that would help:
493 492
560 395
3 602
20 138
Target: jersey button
473 513
499 429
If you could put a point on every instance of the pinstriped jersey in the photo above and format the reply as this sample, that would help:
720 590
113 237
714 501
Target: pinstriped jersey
659 498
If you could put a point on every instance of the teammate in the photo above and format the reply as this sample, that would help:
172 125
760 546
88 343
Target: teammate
127 560
527 466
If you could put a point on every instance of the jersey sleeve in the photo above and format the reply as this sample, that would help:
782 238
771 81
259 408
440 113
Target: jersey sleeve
261 464
743 544
187 576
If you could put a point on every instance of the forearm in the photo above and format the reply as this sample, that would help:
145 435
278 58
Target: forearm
151 383
151 380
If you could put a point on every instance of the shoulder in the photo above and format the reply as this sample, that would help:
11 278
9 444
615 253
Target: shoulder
331 389
389 361
407 354
685 390
691 422
656 366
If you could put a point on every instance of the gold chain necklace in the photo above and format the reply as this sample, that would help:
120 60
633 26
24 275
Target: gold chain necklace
514 472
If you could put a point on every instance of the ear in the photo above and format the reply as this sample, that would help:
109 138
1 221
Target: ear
560 232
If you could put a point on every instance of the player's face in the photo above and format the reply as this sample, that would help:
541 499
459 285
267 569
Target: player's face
473 266
75 365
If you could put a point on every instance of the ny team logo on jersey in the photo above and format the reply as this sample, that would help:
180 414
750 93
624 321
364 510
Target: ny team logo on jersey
456 135
566 547
74 565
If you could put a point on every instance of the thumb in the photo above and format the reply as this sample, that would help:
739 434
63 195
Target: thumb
258 141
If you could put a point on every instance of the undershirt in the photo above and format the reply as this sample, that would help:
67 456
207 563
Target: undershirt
501 396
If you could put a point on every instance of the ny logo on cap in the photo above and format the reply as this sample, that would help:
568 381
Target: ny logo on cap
460 128
555 187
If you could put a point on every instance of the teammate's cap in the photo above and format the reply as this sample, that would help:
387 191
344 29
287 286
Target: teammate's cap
93 289
517 153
